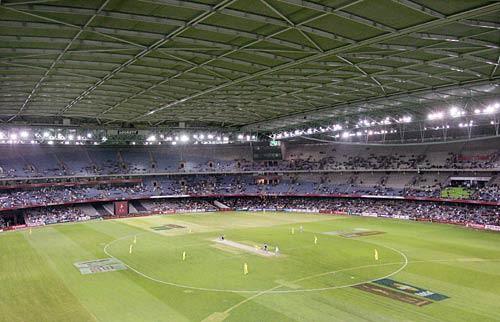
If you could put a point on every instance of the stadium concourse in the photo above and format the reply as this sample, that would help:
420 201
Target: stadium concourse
456 182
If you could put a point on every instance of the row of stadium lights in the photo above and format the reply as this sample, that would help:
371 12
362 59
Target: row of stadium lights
26 137
346 133
196 139
453 112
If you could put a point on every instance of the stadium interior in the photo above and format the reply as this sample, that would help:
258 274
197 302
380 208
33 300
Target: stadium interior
116 110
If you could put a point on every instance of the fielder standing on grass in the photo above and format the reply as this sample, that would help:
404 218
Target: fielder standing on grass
245 269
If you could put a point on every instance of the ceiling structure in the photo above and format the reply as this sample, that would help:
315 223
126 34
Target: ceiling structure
256 65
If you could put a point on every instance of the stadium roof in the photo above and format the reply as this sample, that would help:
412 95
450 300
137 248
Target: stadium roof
251 64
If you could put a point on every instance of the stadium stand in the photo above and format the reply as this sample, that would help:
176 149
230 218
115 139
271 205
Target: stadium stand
34 178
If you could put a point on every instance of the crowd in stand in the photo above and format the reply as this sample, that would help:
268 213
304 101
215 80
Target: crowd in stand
413 209
41 197
45 216
59 195
489 160
487 193
111 162
416 210
427 184
230 184
184 204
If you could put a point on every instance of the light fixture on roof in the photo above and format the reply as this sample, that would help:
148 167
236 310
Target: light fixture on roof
491 109
456 112
435 116
405 119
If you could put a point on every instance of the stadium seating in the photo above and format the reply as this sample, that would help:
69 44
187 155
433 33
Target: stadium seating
422 171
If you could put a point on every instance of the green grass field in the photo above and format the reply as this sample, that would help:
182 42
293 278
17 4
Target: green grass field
306 282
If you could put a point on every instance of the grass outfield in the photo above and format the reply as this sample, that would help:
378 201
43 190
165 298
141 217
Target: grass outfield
306 282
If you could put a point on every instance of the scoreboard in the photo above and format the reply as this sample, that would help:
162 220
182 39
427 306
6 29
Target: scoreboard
265 152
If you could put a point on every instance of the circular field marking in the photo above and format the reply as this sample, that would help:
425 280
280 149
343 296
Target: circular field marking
275 289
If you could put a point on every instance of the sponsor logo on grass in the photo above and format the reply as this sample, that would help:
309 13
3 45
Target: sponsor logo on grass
100 266
361 233
407 288
166 227
392 294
